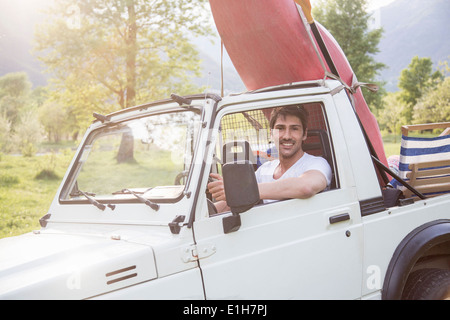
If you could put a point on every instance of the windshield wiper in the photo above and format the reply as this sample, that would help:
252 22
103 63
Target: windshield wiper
92 200
152 205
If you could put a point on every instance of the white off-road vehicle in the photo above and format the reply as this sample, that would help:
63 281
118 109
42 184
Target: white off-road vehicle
132 218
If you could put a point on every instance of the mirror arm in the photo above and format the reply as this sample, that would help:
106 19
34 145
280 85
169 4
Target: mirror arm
231 223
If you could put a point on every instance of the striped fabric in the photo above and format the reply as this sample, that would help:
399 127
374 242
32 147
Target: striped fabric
420 150
416 150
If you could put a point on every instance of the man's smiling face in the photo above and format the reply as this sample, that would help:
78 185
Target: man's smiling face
289 135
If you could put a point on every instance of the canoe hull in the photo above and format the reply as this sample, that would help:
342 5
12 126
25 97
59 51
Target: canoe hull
269 45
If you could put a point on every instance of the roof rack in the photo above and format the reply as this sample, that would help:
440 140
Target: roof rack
292 85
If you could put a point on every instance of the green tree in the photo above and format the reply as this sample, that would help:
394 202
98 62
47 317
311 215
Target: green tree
28 133
347 21
15 89
434 105
121 52
52 118
112 54
415 81
5 134
15 84
390 117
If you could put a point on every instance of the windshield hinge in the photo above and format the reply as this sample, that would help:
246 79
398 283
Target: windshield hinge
196 252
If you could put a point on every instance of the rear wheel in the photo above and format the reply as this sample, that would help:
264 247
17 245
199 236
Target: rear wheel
428 284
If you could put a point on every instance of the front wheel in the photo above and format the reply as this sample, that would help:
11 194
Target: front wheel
428 284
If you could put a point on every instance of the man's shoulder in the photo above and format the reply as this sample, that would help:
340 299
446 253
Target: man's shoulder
269 164
266 169
310 157
318 163
307 158
309 161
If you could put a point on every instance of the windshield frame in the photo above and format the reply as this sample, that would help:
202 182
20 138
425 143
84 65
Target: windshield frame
70 181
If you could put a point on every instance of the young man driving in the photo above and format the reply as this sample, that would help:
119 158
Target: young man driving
296 174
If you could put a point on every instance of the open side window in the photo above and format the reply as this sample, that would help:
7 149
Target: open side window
246 136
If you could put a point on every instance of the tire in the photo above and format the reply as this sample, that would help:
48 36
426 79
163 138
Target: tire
428 284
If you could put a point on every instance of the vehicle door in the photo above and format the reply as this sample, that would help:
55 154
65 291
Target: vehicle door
291 249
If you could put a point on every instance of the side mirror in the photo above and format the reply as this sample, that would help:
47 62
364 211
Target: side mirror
241 190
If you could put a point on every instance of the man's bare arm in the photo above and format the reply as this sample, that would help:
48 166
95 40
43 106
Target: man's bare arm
303 187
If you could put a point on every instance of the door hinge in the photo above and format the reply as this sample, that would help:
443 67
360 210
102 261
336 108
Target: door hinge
196 252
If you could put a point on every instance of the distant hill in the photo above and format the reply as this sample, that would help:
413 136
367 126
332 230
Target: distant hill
413 28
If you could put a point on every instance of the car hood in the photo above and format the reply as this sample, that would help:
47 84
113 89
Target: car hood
65 266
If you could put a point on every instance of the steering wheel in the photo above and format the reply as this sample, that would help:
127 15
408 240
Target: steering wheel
180 176
212 210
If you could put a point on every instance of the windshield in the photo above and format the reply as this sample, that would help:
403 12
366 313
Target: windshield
149 157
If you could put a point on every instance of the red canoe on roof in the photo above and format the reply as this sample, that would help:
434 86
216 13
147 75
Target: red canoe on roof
269 44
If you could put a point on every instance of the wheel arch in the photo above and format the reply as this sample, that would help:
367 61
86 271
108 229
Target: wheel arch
407 253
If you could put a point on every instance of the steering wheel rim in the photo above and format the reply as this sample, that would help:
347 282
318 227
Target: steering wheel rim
180 176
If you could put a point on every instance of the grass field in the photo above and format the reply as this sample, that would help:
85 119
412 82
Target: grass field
28 186
391 145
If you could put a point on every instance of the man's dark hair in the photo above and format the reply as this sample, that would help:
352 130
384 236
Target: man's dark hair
298 111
